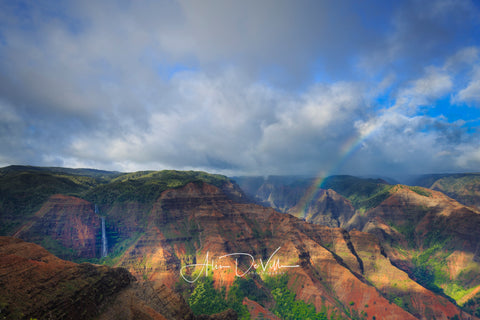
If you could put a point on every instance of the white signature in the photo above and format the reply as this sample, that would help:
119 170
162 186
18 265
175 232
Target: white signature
269 265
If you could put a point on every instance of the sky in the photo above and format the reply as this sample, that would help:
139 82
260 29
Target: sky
242 87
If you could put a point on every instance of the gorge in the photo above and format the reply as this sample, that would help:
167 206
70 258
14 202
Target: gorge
361 260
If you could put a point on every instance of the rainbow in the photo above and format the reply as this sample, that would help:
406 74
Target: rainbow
347 150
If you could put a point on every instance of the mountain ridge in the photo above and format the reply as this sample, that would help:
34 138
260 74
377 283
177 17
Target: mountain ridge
341 271
413 222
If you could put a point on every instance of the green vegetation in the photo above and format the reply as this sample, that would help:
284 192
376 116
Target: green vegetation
363 193
288 308
421 191
23 193
24 189
464 187
407 223
430 271
241 288
472 306
205 299
456 290
465 183
55 246
146 186
246 287
408 230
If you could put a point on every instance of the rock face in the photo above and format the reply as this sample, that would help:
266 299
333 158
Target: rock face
278 192
426 233
199 224
429 235
159 229
326 207
67 225
465 188
36 284
147 301
257 311
24 189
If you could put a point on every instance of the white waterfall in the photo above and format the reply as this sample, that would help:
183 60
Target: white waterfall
104 240
104 235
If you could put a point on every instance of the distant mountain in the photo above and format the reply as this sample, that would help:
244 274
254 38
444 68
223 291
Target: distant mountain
431 236
278 192
325 207
167 227
362 193
289 192
424 232
465 188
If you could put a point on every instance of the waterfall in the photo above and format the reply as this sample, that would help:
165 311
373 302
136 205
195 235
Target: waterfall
104 235
104 240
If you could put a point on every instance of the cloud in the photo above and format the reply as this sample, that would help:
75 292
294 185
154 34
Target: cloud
433 85
415 134
469 157
402 144
471 93
227 123
311 130
423 33
239 87
11 132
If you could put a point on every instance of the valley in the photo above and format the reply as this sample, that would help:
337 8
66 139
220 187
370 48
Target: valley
349 248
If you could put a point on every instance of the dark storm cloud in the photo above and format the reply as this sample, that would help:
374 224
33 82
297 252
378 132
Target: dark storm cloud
425 32
240 86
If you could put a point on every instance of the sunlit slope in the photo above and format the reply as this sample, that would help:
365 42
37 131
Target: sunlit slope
465 188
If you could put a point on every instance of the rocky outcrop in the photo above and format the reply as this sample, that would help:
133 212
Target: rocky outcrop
66 225
278 192
198 224
36 284
396 284
420 217
422 230
301 197
465 188
257 311
143 300
161 233
325 207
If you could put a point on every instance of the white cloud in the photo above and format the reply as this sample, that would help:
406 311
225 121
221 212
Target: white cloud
227 86
433 85
468 157
471 93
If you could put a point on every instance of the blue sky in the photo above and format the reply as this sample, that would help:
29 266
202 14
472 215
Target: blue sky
242 87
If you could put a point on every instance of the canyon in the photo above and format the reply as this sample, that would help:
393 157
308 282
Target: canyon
339 255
